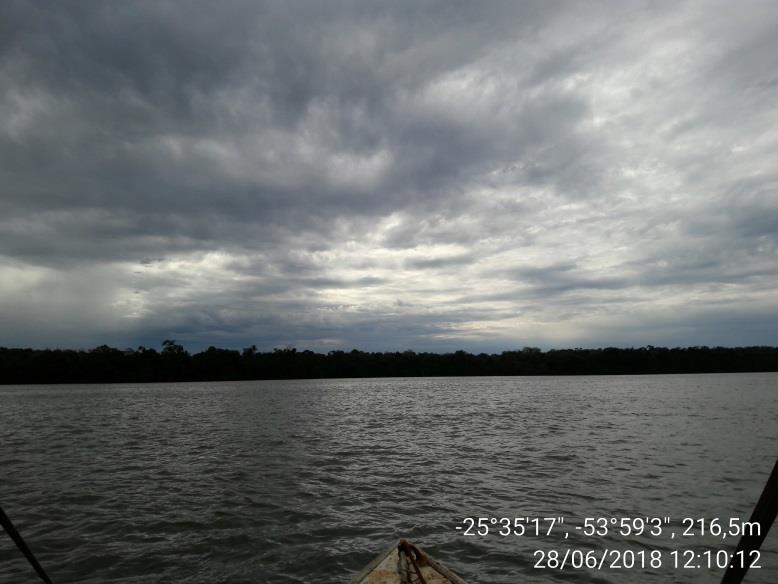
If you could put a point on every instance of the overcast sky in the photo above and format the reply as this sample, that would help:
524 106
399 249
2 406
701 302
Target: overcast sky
389 175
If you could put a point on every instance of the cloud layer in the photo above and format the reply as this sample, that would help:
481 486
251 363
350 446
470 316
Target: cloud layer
396 175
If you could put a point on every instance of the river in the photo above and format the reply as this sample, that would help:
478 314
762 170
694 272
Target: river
305 481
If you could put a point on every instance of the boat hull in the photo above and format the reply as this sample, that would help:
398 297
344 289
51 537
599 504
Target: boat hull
401 563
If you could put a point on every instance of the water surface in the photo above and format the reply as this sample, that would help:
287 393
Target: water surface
304 481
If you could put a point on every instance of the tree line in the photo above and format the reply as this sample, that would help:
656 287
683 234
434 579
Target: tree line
172 362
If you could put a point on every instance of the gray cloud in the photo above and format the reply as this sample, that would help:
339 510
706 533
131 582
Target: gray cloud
424 175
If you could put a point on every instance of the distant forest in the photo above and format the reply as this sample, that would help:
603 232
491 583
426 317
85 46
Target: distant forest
173 363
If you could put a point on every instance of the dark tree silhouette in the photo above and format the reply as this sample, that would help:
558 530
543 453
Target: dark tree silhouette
106 364
170 347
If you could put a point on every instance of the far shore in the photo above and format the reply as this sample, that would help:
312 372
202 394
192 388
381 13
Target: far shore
173 363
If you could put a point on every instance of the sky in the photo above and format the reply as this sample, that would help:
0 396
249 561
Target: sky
432 175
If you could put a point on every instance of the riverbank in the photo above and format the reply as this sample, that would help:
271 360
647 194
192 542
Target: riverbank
173 363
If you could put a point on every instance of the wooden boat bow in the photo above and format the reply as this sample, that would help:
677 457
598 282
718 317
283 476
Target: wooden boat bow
405 563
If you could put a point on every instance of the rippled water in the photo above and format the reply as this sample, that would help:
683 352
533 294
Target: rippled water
305 481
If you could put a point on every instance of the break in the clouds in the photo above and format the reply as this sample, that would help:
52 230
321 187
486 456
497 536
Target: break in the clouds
424 175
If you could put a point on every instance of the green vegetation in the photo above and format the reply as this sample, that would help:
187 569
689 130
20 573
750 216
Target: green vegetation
173 363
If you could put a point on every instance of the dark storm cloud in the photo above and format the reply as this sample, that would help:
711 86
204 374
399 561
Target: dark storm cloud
143 110
444 262
406 174
550 281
